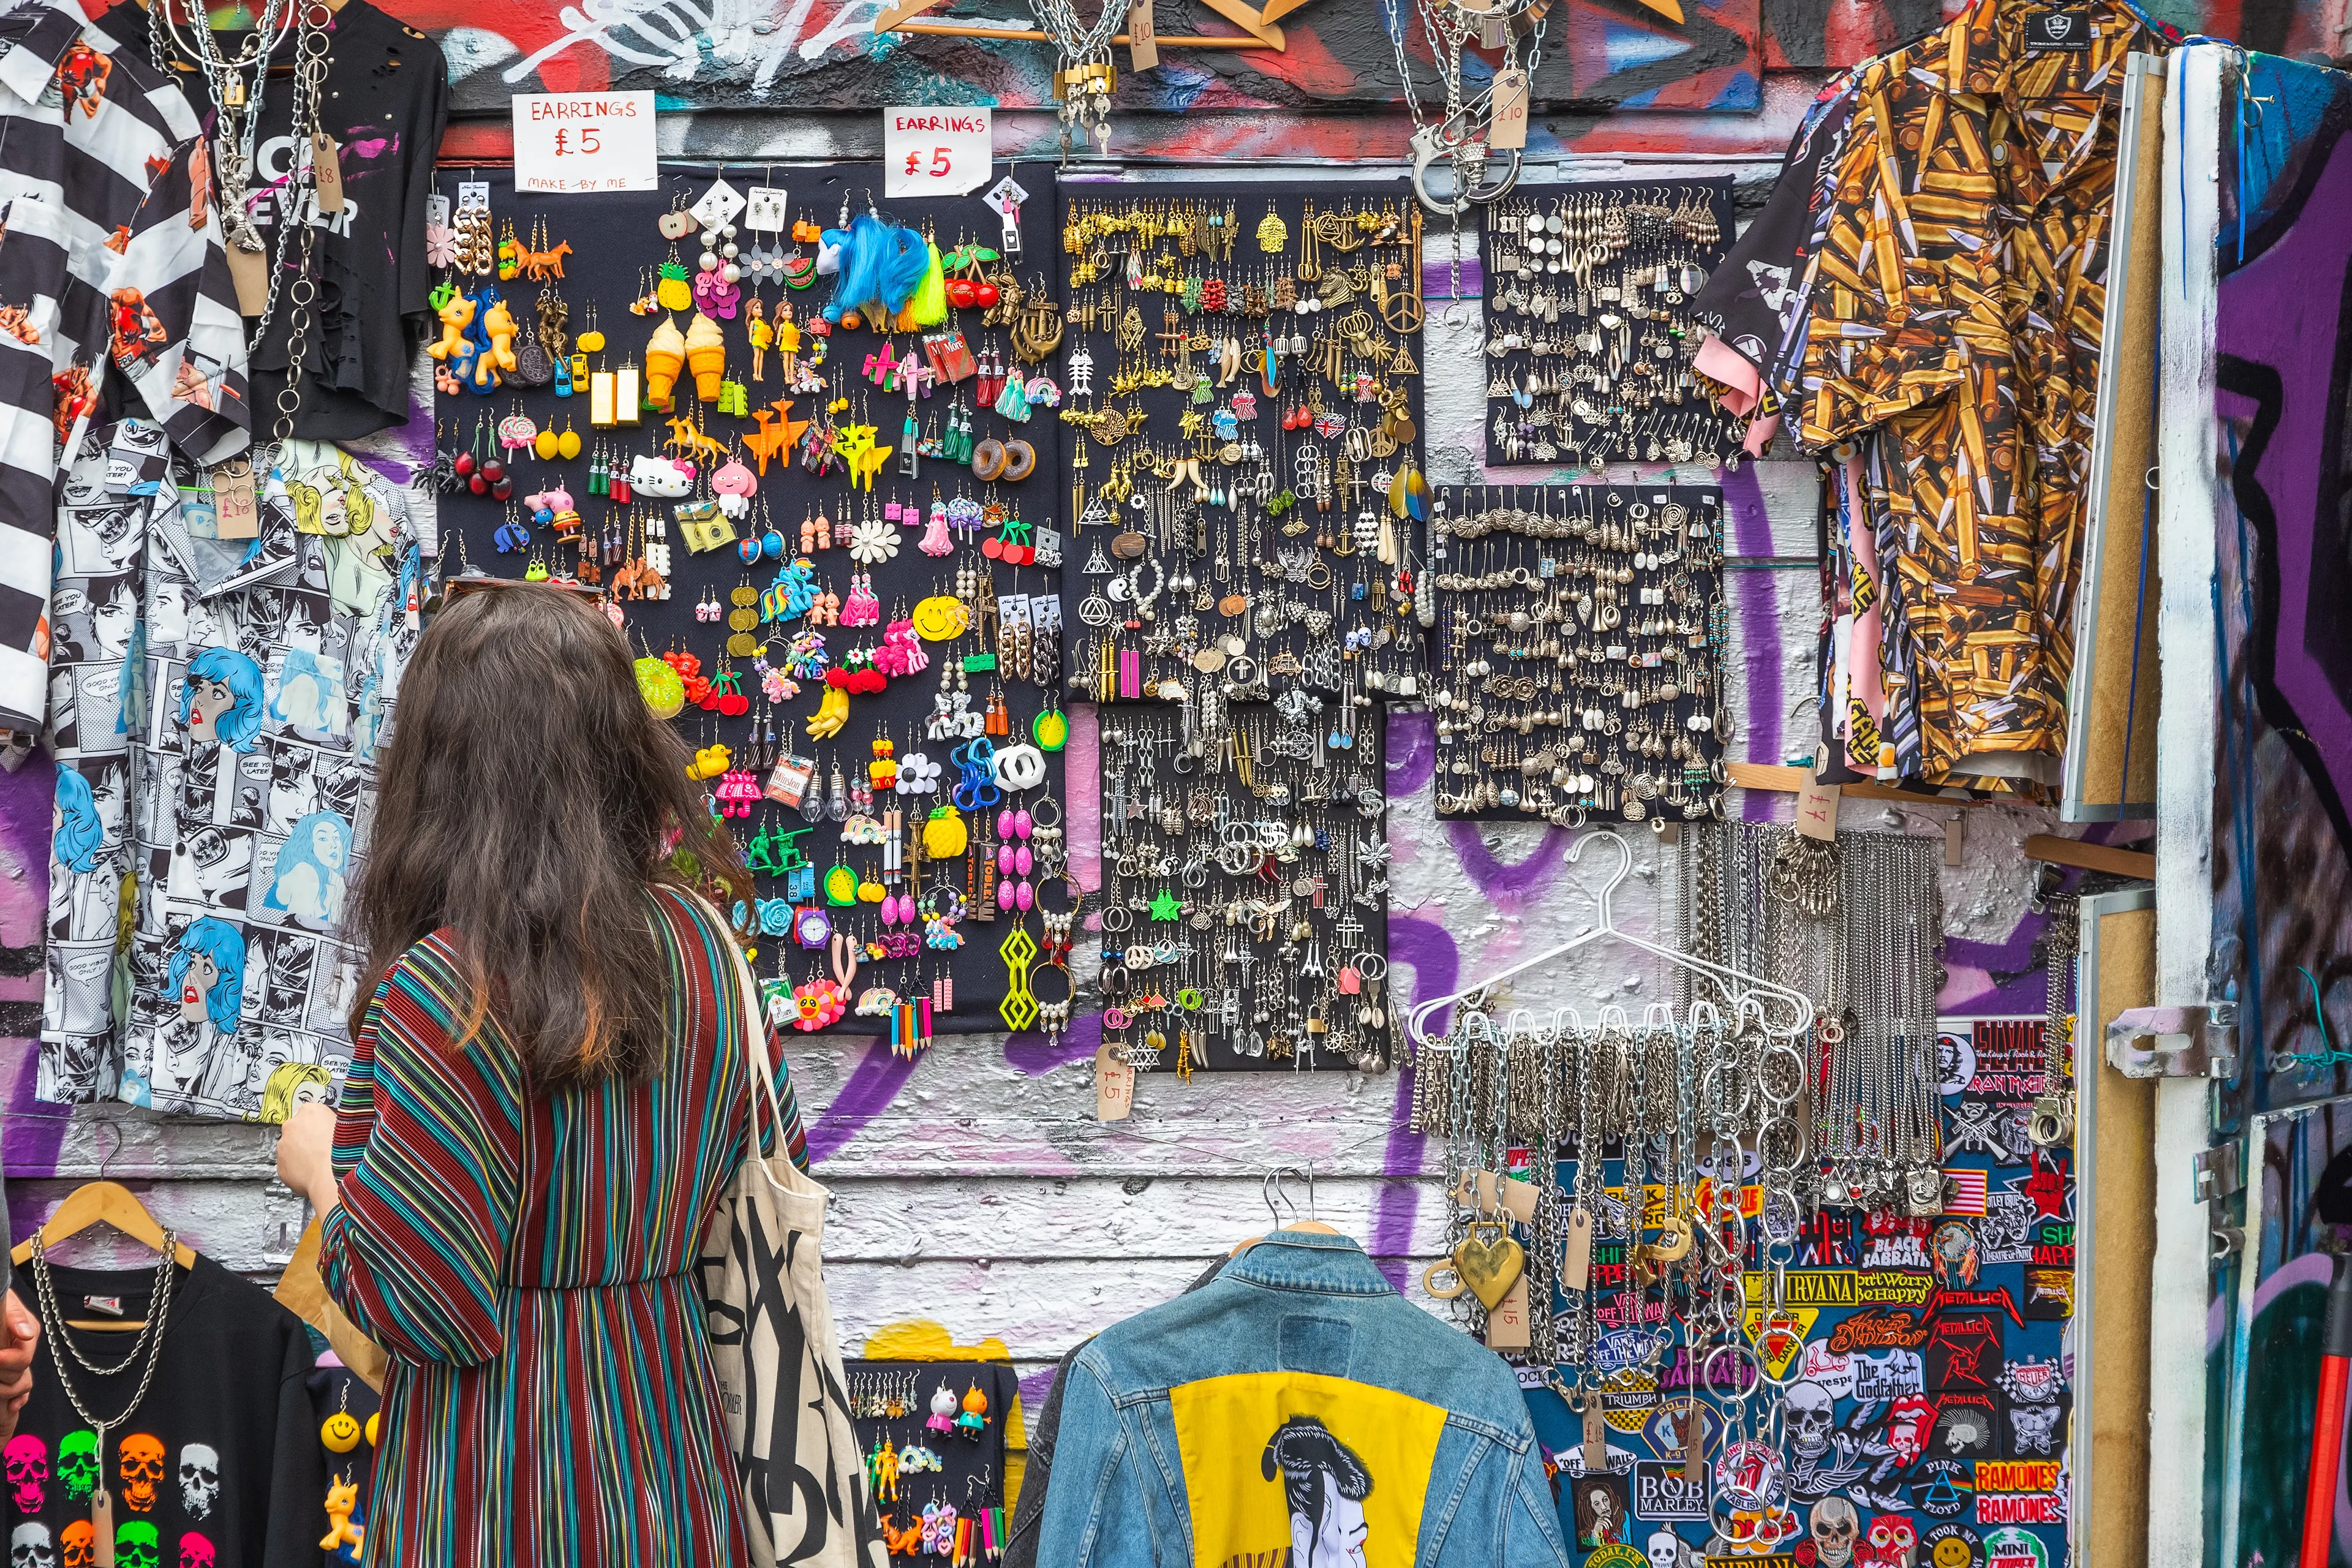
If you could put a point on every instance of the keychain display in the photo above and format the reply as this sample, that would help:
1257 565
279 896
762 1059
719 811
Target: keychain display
1240 371
1245 886
1579 654
774 479
1589 334
1798 1280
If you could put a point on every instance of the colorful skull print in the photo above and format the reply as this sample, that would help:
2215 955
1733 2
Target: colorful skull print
28 1547
77 1465
142 1472
27 1458
1836 1530
195 1551
136 1544
199 1480
76 1540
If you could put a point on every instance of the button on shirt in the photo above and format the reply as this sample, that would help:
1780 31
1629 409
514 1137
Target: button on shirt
1956 312
114 293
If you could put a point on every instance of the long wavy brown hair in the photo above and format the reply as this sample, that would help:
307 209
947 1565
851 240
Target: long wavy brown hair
528 803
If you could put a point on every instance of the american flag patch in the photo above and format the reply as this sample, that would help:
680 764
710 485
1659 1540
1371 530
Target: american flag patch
1967 1192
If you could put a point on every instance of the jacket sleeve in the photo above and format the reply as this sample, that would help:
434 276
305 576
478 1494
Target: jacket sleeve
297 1471
176 336
428 1152
1531 1535
1095 1516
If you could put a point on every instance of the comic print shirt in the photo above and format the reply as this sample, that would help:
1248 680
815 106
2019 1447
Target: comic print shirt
218 1467
1957 310
114 293
216 707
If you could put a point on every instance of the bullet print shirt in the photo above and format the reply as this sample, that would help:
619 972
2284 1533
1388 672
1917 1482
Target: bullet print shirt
216 707
114 293
218 1467
1956 309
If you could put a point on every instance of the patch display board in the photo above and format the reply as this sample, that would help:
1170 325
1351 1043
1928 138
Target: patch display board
1589 336
1579 654
1245 874
1927 1388
1245 398
991 687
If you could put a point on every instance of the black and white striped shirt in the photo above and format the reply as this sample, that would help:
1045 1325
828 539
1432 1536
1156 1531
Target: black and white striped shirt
109 247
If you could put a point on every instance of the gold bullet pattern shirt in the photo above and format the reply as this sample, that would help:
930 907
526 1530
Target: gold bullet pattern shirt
1956 314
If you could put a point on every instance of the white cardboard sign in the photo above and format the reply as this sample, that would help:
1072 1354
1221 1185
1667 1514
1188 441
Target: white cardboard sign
569 143
936 151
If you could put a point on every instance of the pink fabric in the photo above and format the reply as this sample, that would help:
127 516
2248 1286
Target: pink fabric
1759 435
1862 654
1743 388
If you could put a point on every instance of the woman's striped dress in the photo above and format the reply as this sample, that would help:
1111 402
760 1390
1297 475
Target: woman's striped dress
527 1264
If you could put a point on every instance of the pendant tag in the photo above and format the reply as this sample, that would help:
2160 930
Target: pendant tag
102 1526
1142 49
1509 128
1694 1445
235 513
1576 1265
327 169
1596 1439
1506 1322
248 273
1114 1085
1817 809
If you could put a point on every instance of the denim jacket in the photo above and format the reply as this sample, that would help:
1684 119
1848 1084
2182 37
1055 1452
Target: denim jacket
1298 1405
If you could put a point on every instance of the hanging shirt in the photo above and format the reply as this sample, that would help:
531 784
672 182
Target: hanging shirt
219 1464
216 709
114 293
385 101
1959 304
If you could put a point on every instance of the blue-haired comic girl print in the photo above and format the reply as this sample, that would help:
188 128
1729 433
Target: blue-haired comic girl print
209 974
220 699
307 879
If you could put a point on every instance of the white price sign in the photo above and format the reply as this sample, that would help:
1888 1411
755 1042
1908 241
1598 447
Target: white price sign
572 142
935 151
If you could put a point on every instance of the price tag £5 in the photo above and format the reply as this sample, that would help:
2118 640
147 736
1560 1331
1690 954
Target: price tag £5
936 151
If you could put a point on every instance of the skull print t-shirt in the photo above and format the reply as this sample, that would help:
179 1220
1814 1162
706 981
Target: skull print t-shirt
219 1464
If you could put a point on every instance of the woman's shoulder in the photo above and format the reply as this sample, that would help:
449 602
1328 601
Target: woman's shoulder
429 981
696 925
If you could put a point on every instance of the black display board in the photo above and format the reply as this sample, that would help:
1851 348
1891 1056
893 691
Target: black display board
1578 652
1589 333
615 251
1244 880
1232 527
970 1473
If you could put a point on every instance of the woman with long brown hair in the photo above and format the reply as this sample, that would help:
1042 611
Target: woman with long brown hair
547 1098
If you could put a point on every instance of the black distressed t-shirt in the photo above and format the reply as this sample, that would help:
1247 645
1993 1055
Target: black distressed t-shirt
386 103
219 1464
1751 297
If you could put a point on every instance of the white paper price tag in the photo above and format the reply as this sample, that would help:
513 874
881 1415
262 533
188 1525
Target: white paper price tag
574 142
936 151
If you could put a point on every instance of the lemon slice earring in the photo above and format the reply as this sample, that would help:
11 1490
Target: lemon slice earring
1050 729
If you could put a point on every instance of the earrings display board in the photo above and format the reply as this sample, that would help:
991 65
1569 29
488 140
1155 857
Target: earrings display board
1245 387
1589 334
1245 865
933 1437
1580 652
834 550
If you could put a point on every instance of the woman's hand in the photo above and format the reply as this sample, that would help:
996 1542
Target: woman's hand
305 1154
23 1332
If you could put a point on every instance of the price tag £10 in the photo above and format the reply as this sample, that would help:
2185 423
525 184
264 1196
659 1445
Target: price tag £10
936 151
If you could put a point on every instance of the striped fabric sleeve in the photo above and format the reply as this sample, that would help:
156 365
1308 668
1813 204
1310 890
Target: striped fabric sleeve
796 1137
428 1152
195 383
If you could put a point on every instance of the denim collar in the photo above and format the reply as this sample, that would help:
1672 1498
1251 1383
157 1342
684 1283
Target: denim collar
1304 1260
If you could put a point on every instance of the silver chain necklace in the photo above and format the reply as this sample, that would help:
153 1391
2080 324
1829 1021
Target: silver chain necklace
150 1343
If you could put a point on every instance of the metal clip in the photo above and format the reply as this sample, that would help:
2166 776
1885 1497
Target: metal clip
2219 1171
2174 1042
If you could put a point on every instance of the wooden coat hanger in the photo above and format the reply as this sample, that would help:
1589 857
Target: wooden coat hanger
1271 1189
104 1202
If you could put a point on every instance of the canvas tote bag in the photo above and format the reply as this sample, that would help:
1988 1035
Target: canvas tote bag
772 1346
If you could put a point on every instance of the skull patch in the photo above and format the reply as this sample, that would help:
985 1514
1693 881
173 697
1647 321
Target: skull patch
143 1473
199 1480
27 1458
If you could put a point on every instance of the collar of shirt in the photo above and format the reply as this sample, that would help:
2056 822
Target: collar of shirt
33 39
1309 1261
1984 54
